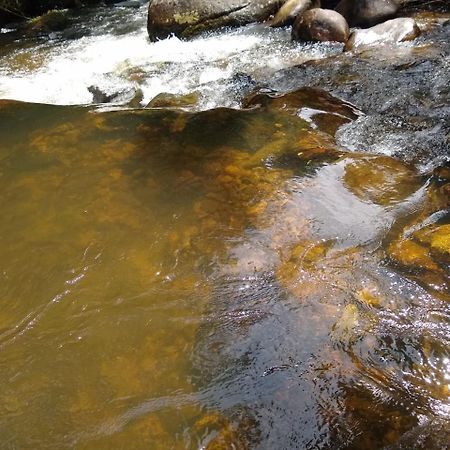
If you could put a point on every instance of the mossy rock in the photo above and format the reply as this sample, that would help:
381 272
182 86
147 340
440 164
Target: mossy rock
412 255
437 237
54 20
166 100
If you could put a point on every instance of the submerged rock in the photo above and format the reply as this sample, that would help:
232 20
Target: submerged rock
392 31
381 180
320 25
343 331
287 14
411 254
437 237
316 106
185 18
365 13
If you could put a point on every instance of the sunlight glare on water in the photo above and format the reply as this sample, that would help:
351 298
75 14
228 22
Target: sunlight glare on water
191 280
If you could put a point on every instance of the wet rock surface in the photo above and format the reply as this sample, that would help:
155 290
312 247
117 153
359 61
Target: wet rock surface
389 32
320 25
51 21
189 17
402 90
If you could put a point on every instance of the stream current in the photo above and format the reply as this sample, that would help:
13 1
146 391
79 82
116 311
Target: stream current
265 267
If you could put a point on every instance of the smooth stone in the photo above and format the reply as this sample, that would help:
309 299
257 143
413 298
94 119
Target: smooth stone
320 25
290 10
366 13
392 31
167 100
185 18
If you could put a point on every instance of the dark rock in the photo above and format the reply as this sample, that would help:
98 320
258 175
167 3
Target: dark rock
52 21
129 97
287 14
329 4
19 10
185 18
239 86
99 96
366 13
320 25
391 31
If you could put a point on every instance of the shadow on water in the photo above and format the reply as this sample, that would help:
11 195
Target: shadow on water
222 279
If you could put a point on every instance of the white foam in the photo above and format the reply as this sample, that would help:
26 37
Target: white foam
170 65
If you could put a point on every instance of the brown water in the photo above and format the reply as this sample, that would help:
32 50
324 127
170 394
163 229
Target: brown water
223 279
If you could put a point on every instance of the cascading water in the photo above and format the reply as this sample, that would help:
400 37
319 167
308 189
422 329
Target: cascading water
110 50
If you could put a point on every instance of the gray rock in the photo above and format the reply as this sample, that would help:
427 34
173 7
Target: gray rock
320 25
185 18
395 30
366 13
287 14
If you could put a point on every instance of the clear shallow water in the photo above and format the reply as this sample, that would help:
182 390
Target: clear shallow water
216 280
111 50
219 279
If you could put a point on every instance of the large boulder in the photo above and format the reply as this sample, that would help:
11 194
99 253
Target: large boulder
290 10
185 18
366 13
320 25
391 31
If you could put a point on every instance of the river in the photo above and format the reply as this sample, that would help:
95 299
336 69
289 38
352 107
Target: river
248 271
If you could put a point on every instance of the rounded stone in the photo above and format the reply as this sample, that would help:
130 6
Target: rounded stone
320 25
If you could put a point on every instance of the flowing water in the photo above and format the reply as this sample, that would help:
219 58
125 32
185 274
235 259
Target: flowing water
111 51
214 278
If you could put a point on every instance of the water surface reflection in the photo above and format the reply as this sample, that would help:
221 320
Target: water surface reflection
224 279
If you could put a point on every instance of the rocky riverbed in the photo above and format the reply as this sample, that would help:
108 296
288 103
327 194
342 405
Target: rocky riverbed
237 240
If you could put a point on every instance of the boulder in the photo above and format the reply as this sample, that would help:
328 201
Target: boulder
366 13
185 18
54 20
320 25
391 31
290 10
